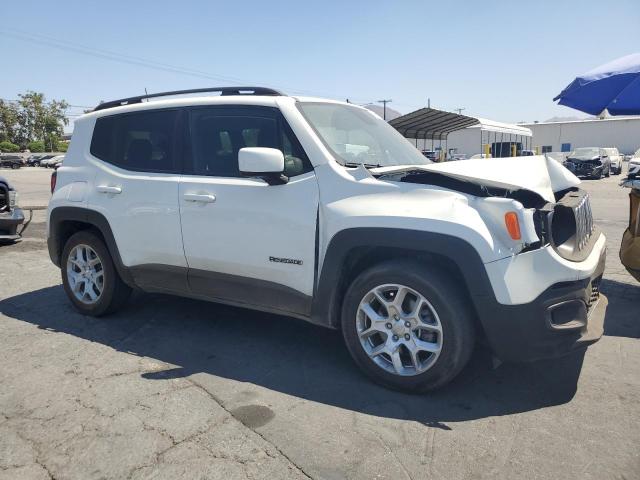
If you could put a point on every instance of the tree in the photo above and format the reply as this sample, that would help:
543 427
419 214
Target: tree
32 118
36 146
8 121
62 146
9 147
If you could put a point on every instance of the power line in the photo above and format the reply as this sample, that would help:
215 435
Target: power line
133 60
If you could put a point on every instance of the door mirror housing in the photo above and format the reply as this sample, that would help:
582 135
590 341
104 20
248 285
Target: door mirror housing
262 162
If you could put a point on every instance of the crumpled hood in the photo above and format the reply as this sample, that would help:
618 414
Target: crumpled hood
538 174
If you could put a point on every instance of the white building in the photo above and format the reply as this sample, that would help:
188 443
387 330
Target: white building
473 140
623 133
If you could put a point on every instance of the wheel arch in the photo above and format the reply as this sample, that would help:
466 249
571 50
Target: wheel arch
353 250
65 221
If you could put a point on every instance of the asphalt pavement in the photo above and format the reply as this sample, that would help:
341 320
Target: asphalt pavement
176 388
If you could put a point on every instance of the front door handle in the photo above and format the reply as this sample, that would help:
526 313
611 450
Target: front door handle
199 197
108 189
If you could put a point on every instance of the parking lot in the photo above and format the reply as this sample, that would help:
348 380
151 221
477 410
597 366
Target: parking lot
177 388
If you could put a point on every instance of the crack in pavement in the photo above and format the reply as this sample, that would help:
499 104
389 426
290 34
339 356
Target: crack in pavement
221 403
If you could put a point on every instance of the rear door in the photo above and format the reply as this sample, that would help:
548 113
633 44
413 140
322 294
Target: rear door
247 241
136 188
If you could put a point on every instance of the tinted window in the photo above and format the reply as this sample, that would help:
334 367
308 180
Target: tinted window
219 134
141 141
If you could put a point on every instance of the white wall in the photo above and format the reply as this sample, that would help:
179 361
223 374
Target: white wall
621 133
467 141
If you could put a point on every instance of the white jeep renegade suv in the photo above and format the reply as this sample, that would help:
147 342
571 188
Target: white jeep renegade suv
320 210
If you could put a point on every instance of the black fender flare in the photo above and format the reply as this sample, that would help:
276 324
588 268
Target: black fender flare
60 215
327 296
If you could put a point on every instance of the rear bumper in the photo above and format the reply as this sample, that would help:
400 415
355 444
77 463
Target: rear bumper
566 317
9 223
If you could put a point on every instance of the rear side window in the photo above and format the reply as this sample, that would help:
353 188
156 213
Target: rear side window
143 141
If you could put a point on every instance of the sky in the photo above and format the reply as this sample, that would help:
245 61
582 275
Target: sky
503 60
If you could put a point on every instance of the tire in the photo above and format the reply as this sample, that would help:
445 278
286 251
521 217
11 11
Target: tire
445 304
114 292
36 164
15 166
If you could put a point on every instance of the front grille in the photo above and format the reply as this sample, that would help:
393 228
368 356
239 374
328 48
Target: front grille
584 222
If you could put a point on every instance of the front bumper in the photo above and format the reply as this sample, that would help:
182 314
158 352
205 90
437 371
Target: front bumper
586 170
565 317
9 223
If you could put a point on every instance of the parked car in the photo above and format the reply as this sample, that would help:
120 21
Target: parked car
56 161
50 162
527 153
431 154
480 155
615 159
11 217
34 160
590 162
634 166
265 206
10 161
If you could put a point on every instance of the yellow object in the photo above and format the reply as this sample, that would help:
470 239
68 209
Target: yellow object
537 150
514 151
630 246
487 150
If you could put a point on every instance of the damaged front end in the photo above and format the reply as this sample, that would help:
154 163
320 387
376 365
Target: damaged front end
543 195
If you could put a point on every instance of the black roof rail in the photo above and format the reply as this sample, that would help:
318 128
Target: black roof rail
223 92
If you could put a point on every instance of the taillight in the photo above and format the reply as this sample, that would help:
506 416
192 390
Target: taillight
54 177
513 225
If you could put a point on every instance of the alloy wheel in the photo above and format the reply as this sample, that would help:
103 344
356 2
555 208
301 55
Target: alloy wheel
399 329
85 274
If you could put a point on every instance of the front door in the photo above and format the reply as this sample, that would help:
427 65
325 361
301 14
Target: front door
245 241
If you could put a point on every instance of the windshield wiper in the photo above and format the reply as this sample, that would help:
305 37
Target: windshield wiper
365 165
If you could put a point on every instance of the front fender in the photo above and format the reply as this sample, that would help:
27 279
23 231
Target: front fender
328 294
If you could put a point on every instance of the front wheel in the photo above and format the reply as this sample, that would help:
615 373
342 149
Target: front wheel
407 326
89 276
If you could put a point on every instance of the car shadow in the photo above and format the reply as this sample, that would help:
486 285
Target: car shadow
293 357
623 311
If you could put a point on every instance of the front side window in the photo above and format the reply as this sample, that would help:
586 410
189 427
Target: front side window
356 136
218 134
141 141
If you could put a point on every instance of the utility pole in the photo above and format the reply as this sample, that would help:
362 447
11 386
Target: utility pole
459 110
384 108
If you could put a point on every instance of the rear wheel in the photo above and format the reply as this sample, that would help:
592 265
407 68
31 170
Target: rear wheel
407 327
89 276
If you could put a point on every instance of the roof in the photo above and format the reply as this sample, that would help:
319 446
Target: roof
487 125
586 120
431 124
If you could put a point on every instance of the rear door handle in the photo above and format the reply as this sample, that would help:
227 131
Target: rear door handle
108 189
199 197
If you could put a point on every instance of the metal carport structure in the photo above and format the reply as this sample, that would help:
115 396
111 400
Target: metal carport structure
431 124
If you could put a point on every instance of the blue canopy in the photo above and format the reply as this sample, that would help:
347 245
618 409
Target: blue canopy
614 86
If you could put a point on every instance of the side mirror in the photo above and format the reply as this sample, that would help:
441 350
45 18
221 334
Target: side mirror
261 162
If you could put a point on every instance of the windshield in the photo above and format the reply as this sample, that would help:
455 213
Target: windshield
585 153
357 136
